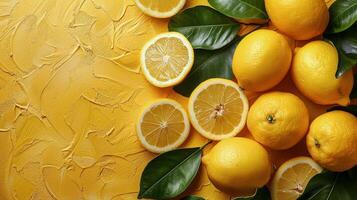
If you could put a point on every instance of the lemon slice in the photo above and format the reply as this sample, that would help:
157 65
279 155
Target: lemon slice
218 109
160 8
167 59
290 180
163 126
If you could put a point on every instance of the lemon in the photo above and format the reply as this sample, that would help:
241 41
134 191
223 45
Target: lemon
313 72
261 60
332 140
218 109
238 165
163 126
166 59
160 8
299 19
292 177
278 120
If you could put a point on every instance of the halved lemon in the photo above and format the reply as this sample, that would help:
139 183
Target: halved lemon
163 126
160 8
290 180
167 59
218 109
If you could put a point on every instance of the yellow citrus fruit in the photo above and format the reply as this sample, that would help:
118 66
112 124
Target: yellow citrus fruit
163 126
261 60
238 165
299 19
313 72
166 59
292 177
332 140
218 109
160 8
278 120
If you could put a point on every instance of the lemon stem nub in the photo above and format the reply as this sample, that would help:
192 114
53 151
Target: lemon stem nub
317 144
271 119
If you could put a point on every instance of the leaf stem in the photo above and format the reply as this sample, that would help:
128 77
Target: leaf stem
209 142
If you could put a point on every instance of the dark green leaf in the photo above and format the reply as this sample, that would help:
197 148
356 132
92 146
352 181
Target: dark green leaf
208 64
169 174
343 14
241 9
261 194
192 197
346 44
332 186
204 27
351 109
354 90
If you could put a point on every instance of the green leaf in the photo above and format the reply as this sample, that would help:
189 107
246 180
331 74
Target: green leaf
353 94
346 44
204 27
261 194
332 186
241 9
192 197
208 64
343 14
169 174
351 109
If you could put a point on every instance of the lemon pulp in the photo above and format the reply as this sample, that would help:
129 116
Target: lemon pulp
160 5
167 59
163 126
292 177
218 109
160 8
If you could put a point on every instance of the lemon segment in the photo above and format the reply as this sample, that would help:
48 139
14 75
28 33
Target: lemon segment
167 59
218 109
160 8
163 126
292 177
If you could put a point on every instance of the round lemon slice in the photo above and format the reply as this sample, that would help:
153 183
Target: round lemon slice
290 180
218 109
163 126
160 8
167 59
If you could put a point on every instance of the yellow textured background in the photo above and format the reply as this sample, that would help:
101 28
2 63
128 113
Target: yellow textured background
70 93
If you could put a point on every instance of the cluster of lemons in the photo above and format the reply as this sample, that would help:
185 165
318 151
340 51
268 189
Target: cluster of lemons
218 109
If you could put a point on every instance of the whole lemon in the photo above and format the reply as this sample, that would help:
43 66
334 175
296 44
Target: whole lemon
332 140
299 19
278 120
238 165
313 72
261 60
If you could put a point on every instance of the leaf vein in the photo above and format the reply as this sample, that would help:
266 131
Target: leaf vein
339 15
158 181
259 10
205 26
